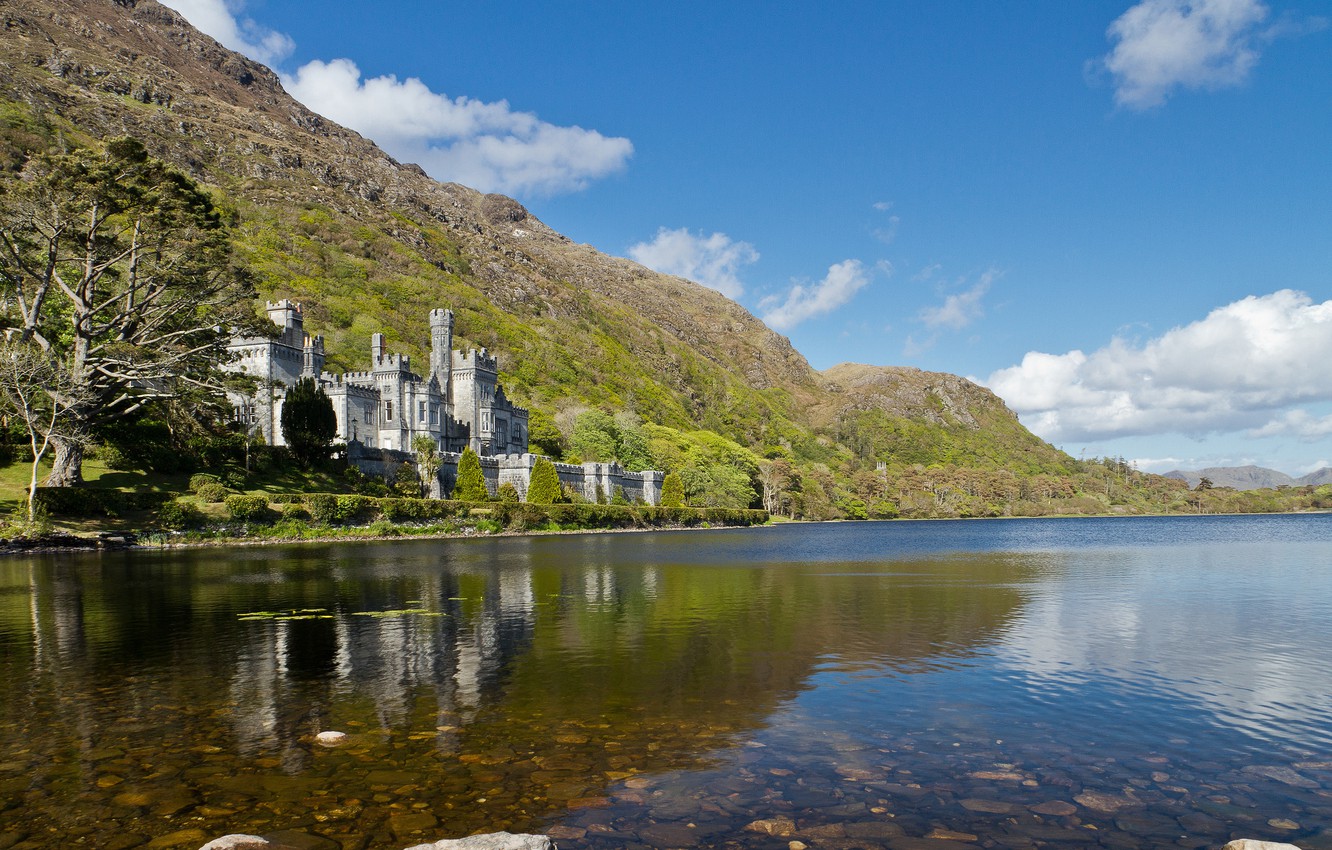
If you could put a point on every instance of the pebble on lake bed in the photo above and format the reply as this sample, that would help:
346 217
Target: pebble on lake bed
331 739
1253 844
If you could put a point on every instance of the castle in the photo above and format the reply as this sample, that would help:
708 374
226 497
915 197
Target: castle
459 404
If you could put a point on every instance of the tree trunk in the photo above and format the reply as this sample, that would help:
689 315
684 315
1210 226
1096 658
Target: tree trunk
67 470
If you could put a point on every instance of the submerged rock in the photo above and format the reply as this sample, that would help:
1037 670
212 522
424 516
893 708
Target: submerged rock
1253 844
331 738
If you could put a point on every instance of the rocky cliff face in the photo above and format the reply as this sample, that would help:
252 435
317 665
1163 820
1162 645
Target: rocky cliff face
133 67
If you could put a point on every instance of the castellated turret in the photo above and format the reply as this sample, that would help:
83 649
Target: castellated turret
441 347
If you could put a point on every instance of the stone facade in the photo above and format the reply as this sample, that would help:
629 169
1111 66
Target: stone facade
458 404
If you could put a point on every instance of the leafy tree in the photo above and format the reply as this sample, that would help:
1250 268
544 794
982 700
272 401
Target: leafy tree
471 483
633 450
544 488
595 436
120 267
308 421
672 491
428 463
716 486
544 435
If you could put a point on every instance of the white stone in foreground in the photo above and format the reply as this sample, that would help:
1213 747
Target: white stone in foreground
1254 844
331 739
238 842
490 841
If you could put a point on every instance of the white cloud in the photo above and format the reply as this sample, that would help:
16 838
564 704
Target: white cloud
1296 423
961 308
220 20
1161 45
1242 368
713 261
488 146
803 302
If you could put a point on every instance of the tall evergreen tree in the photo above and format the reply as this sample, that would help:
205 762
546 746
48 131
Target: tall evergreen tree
308 421
471 483
544 488
672 491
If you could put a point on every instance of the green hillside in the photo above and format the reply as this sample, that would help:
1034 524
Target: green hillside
368 245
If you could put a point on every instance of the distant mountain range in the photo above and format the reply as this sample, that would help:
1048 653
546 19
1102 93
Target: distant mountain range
1250 477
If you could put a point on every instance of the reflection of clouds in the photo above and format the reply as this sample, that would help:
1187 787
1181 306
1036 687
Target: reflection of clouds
1241 629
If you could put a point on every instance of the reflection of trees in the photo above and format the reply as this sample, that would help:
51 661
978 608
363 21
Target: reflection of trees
558 663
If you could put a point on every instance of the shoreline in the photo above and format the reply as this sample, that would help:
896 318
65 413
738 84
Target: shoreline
116 541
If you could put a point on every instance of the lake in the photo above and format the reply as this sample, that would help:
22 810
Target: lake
1118 683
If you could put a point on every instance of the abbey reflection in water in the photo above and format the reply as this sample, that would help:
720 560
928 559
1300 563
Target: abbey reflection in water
501 627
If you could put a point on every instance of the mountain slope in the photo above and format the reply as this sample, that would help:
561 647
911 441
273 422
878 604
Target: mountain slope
369 244
1249 477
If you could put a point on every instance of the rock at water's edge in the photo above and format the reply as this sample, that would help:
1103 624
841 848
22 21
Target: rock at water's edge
1254 844
238 842
490 841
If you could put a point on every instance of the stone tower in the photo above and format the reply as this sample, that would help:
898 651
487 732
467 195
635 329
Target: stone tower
441 349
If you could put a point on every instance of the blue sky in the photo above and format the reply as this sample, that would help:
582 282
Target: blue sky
1116 215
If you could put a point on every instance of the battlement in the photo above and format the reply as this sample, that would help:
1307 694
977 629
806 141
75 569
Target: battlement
440 318
397 362
473 359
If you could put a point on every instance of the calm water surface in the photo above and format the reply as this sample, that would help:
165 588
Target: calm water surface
1065 683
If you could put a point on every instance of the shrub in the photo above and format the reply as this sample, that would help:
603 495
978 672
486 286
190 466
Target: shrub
236 479
508 494
352 508
544 488
248 508
672 491
213 491
114 458
295 511
471 483
83 502
199 479
177 515
323 507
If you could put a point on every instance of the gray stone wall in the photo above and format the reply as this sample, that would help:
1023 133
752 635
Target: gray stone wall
517 470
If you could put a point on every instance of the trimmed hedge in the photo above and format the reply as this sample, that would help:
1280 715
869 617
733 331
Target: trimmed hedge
248 508
89 502
212 491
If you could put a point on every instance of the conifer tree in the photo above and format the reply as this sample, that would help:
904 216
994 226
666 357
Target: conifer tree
544 488
471 483
672 491
308 421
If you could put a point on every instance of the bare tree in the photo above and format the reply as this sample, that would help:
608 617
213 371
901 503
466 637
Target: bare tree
40 392
121 268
